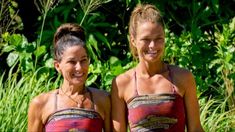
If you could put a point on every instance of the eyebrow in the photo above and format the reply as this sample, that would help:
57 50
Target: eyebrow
71 58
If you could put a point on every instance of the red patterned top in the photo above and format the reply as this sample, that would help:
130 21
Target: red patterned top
156 112
74 119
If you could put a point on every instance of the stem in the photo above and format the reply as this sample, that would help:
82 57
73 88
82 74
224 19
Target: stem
1 9
42 27
10 22
40 38
85 13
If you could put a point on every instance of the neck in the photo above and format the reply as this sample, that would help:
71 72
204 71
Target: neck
150 69
71 89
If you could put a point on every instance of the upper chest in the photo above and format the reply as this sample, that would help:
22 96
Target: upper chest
57 102
158 84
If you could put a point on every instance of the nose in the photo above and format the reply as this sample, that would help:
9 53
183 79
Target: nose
78 66
151 44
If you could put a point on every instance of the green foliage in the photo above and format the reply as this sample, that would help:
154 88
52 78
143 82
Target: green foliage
44 7
20 50
90 5
211 59
15 95
9 19
181 50
215 117
22 54
105 72
225 60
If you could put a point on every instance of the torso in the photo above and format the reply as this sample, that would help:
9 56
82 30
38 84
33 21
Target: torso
60 115
155 103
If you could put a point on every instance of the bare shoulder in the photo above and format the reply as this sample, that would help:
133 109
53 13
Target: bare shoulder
38 109
41 99
124 79
100 96
99 92
101 99
182 78
180 73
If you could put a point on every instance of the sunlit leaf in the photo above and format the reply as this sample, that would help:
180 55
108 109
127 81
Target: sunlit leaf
91 79
40 51
12 58
8 48
49 63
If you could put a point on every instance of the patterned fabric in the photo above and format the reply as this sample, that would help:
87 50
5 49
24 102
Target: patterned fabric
74 120
156 112
164 112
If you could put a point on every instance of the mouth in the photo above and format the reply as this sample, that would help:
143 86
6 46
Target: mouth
155 52
152 52
78 75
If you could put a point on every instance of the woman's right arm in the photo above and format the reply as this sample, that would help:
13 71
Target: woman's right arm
34 116
118 109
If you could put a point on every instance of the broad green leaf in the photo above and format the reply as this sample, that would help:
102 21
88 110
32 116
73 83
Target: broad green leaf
40 51
219 69
95 68
103 39
16 39
108 79
93 42
27 65
114 61
12 58
232 25
5 36
116 70
91 45
8 48
228 57
215 4
49 63
25 55
91 79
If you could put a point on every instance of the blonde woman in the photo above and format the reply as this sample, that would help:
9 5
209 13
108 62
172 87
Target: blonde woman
153 96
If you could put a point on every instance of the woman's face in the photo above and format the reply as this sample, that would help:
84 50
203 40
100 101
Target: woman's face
74 65
149 41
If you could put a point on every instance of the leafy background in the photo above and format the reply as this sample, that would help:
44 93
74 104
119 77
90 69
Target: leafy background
199 36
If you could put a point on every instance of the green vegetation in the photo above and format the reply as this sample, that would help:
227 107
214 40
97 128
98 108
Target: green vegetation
200 36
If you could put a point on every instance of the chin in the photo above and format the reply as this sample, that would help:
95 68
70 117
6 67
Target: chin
152 60
78 82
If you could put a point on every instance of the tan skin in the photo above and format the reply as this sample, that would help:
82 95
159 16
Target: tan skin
153 78
74 69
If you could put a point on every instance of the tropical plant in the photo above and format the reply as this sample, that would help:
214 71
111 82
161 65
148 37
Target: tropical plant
21 53
15 95
90 5
214 115
225 61
44 7
9 18
102 74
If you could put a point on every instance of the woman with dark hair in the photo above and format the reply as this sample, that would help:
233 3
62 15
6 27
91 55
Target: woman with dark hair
73 106
153 96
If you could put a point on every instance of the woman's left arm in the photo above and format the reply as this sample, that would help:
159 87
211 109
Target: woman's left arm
191 104
107 118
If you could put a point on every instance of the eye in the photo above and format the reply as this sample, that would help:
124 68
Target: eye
145 40
84 61
158 40
71 62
